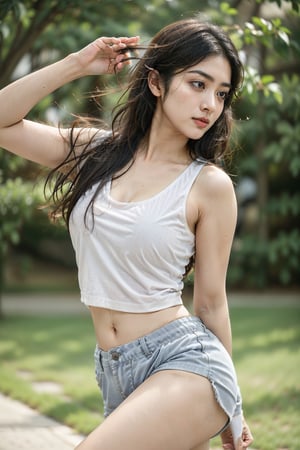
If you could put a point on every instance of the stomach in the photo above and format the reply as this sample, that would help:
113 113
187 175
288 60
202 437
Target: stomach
114 328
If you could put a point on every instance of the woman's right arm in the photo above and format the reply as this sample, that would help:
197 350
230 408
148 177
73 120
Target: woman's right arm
41 143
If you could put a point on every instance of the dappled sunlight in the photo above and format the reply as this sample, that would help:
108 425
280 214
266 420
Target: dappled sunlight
274 339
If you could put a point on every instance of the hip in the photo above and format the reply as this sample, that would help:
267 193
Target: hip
185 345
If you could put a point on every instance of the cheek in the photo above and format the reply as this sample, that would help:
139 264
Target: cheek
175 110
180 100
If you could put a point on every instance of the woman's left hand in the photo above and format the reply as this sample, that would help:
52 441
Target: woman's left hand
244 442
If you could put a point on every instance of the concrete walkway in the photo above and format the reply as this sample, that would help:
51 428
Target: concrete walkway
39 304
24 428
64 304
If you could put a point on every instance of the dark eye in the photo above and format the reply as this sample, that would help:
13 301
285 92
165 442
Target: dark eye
223 95
198 84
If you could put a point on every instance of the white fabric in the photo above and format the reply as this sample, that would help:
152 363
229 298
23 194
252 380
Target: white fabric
134 257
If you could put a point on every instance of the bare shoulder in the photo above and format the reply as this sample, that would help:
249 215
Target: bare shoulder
213 182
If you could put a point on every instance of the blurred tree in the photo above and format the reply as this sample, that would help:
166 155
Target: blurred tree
268 253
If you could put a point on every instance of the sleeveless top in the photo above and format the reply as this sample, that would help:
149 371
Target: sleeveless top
134 256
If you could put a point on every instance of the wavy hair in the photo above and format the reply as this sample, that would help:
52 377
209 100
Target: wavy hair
174 49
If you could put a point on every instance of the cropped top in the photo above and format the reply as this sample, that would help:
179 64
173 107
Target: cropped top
134 256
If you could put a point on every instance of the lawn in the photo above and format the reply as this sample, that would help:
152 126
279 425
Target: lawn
60 350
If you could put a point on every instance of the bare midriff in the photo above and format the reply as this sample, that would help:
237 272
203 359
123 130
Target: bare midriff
114 328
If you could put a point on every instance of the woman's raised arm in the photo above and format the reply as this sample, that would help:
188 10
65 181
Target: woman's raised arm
43 143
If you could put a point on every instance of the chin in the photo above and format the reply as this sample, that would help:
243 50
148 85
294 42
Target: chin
196 135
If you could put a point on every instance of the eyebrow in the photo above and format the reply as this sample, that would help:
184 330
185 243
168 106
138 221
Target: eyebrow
209 77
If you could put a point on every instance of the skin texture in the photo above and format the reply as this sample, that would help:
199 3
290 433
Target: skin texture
186 412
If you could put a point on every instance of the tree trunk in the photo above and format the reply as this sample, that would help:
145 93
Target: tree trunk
262 191
25 38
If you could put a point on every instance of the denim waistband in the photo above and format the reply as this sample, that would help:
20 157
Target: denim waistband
144 345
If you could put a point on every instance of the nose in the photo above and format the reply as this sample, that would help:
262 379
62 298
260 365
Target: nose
208 101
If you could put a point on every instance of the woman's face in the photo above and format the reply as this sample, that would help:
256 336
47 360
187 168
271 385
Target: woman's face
195 99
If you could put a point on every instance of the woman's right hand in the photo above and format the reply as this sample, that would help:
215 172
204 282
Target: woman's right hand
105 55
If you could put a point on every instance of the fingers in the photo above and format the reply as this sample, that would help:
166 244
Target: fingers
242 443
116 50
120 48
113 40
117 44
247 436
107 54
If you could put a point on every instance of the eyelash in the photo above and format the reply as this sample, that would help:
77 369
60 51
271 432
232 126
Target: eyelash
201 85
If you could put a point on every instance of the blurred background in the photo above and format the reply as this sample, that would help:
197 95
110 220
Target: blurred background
37 256
46 338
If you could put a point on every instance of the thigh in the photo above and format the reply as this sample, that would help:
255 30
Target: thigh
204 446
171 410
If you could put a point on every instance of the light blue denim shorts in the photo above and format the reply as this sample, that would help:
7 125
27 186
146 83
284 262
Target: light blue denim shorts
184 344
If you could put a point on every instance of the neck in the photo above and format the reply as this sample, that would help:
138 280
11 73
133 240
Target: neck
165 145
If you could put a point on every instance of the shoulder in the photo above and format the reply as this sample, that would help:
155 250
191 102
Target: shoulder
214 182
212 196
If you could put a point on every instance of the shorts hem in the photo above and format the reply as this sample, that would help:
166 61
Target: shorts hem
204 375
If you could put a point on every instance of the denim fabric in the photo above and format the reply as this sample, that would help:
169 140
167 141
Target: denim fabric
184 344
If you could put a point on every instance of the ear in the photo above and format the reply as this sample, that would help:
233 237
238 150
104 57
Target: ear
154 82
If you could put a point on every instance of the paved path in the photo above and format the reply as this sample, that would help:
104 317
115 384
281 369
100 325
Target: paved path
64 304
24 428
39 304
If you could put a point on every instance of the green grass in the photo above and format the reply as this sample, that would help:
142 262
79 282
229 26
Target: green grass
60 349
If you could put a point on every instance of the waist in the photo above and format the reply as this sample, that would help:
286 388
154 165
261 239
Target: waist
114 328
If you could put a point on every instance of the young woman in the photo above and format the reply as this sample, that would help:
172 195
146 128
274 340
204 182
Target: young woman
141 202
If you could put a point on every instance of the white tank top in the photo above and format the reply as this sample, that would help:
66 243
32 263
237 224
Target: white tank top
134 257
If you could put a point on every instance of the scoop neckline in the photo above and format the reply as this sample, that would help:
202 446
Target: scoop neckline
139 202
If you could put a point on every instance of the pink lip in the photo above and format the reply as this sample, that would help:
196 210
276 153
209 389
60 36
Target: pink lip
201 122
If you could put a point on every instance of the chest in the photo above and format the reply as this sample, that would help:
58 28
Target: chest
144 180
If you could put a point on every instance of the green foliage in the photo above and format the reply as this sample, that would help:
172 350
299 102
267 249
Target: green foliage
268 253
247 264
294 3
255 263
17 203
282 155
270 34
258 261
254 84
260 30
10 6
284 148
284 255
226 9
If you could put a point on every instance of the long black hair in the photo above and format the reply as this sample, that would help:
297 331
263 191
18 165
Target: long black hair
175 48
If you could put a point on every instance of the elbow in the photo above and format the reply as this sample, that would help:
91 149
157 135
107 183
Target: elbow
209 305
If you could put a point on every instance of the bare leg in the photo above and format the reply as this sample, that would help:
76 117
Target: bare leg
202 446
171 410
